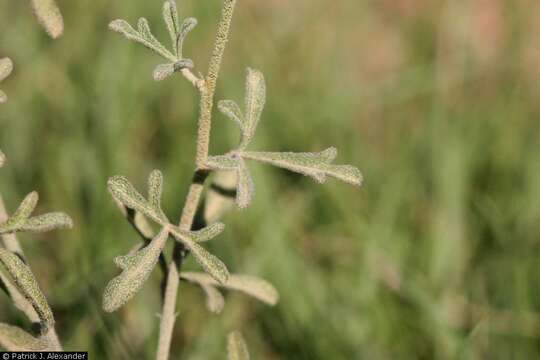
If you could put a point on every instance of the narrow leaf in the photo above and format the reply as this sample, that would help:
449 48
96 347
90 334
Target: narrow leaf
245 187
215 302
186 27
231 109
210 263
253 286
24 280
236 347
163 71
155 189
315 165
221 196
122 190
170 16
13 338
27 206
255 100
6 67
47 222
49 16
208 233
223 162
146 39
136 269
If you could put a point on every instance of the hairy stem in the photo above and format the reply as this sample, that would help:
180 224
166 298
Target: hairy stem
206 89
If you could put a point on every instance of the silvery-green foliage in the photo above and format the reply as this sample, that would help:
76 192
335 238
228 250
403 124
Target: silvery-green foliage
25 282
125 193
253 286
49 16
13 338
6 67
21 220
136 269
177 31
236 347
316 165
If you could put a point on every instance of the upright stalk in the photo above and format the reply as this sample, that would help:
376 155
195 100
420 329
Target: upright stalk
207 88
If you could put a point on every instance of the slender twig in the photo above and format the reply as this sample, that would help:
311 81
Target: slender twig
206 89
11 243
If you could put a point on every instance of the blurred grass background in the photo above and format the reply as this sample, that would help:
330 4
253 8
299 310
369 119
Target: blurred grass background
435 257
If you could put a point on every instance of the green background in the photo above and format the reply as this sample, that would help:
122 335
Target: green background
436 256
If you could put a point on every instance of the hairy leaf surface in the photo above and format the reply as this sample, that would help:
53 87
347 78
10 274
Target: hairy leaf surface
136 268
13 338
236 347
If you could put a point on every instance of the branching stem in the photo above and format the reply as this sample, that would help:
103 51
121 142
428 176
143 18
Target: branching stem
207 88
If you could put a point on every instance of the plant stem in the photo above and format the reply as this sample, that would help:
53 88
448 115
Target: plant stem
206 89
12 244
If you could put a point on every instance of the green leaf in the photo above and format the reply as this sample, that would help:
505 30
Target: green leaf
49 17
21 220
211 264
13 338
136 269
208 233
231 109
187 25
253 286
26 207
155 189
163 71
170 16
315 165
223 162
47 222
255 100
236 347
215 302
24 280
122 190
245 188
142 36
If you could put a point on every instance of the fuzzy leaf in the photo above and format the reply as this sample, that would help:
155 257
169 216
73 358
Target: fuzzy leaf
245 187
13 338
187 25
315 165
236 347
47 222
255 100
122 190
223 162
163 71
208 233
155 189
6 67
136 269
24 280
253 286
26 207
215 302
49 16
146 38
210 263
170 16
231 109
